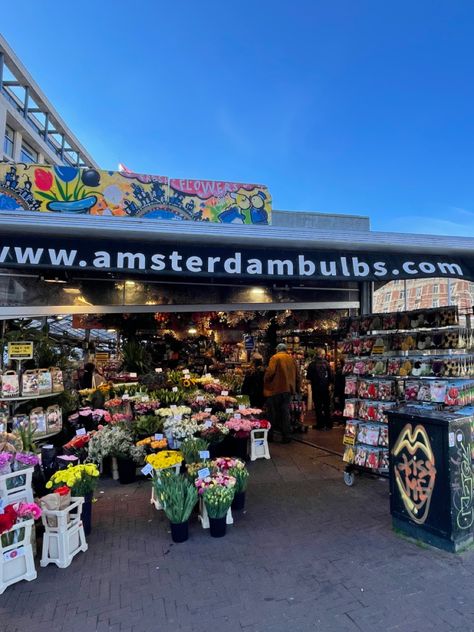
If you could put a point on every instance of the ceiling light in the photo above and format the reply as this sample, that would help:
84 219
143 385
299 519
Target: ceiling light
55 280
259 291
72 290
130 283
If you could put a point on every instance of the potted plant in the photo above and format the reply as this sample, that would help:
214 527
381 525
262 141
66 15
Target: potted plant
241 475
178 497
82 481
218 499
118 442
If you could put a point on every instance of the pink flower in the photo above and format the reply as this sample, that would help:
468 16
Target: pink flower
28 510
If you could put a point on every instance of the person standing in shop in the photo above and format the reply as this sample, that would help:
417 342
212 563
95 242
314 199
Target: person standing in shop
253 383
319 376
281 381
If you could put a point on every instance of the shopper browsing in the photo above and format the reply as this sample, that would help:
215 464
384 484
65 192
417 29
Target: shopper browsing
320 377
253 383
281 381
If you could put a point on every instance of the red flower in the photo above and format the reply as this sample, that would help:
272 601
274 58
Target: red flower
43 179
62 491
7 518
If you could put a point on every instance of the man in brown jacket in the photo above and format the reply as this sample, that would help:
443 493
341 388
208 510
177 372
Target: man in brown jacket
280 383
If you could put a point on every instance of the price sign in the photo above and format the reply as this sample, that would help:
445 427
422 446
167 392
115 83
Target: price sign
20 350
175 389
224 393
208 410
158 436
237 416
241 407
148 469
208 375
186 371
207 424
348 440
133 374
229 411
204 472
11 555
158 370
199 398
145 398
173 407
125 396
204 454
80 432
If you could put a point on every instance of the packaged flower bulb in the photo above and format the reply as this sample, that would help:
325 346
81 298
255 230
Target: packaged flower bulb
411 390
350 387
438 391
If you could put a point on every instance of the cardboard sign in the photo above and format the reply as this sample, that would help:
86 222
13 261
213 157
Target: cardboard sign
20 350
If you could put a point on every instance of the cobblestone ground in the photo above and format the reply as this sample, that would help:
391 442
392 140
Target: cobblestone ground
309 554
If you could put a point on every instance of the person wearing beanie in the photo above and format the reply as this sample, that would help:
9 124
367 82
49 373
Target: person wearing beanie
281 381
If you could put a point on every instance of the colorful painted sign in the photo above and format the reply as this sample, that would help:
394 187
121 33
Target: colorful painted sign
64 189
415 471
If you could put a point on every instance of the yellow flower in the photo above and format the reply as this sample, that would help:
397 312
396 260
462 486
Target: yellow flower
49 484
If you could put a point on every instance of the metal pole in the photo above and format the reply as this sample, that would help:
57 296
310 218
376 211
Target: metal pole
366 293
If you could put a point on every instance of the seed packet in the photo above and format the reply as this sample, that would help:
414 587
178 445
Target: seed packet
382 409
367 345
362 433
384 461
362 388
373 389
365 325
54 419
354 326
372 435
359 367
10 384
373 458
347 347
350 408
424 392
57 378
393 366
411 390
386 390
377 322
349 454
360 456
350 432
357 347
383 436
438 391
45 381
29 383
19 421
453 395
389 321
350 387
380 367
348 367
38 419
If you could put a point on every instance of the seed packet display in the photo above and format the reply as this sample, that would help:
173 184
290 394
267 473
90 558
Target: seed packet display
372 460
360 456
350 387
424 392
45 381
350 408
350 432
389 321
393 366
38 419
383 436
411 390
29 383
438 391
349 454
57 379
54 419
10 384
359 367
383 409
367 345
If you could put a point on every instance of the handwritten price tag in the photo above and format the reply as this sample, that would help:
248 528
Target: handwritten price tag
224 393
199 398
133 374
241 407
207 424
148 469
204 454
175 389
237 416
173 406
158 370
204 472
80 432
208 410
125 396
158 436
229 411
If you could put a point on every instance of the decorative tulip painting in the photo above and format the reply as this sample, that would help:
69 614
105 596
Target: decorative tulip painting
65 189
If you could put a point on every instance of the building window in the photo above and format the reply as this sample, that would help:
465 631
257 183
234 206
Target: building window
8 142
435 290
387 297
436 302
402 294
418 292
27 154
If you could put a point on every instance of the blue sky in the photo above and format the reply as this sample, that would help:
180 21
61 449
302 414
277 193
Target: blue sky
345 106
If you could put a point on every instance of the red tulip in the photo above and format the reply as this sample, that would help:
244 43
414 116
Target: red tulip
43 179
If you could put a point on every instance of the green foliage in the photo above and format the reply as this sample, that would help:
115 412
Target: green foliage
147 425
136 358
191 448
166 398
27 433
177 495
241 478
218 499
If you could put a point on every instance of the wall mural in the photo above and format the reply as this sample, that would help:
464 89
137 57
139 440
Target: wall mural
415 471
463 485
63 189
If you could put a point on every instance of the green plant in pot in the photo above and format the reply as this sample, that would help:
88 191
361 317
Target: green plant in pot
147 425
178 497
218 500
191 448
241 475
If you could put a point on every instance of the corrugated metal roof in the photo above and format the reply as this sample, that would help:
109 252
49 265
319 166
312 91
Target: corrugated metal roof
205 232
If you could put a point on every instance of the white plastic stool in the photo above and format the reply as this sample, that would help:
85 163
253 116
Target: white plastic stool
259 444
16 560
21 492
204 516
154 500
63 541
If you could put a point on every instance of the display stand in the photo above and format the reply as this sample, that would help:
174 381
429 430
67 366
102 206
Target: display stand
16 486
259 444
419 357
16 559
64 540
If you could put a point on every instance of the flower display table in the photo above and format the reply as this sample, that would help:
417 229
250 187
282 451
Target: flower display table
64 534
16 555
16 486
259 444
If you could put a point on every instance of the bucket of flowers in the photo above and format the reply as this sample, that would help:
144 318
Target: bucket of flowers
177 496
117 441
217 491
192 447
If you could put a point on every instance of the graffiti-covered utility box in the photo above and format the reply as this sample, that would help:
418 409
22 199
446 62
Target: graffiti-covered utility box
431 476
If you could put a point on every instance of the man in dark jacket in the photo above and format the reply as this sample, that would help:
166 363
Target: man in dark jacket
320 377
253 383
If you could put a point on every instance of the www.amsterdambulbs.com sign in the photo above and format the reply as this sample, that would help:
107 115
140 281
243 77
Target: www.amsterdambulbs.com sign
165 260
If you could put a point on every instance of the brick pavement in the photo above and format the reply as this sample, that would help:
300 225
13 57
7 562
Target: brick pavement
309 554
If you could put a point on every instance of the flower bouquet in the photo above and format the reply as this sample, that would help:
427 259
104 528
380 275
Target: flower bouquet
178 497
179 428
225 463
152 443
225 401
218 479
15 514
191 447
80 479
146 408
165 459
114 441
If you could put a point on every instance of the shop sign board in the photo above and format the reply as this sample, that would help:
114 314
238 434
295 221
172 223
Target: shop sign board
102 356
20 350
180 261
70 190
